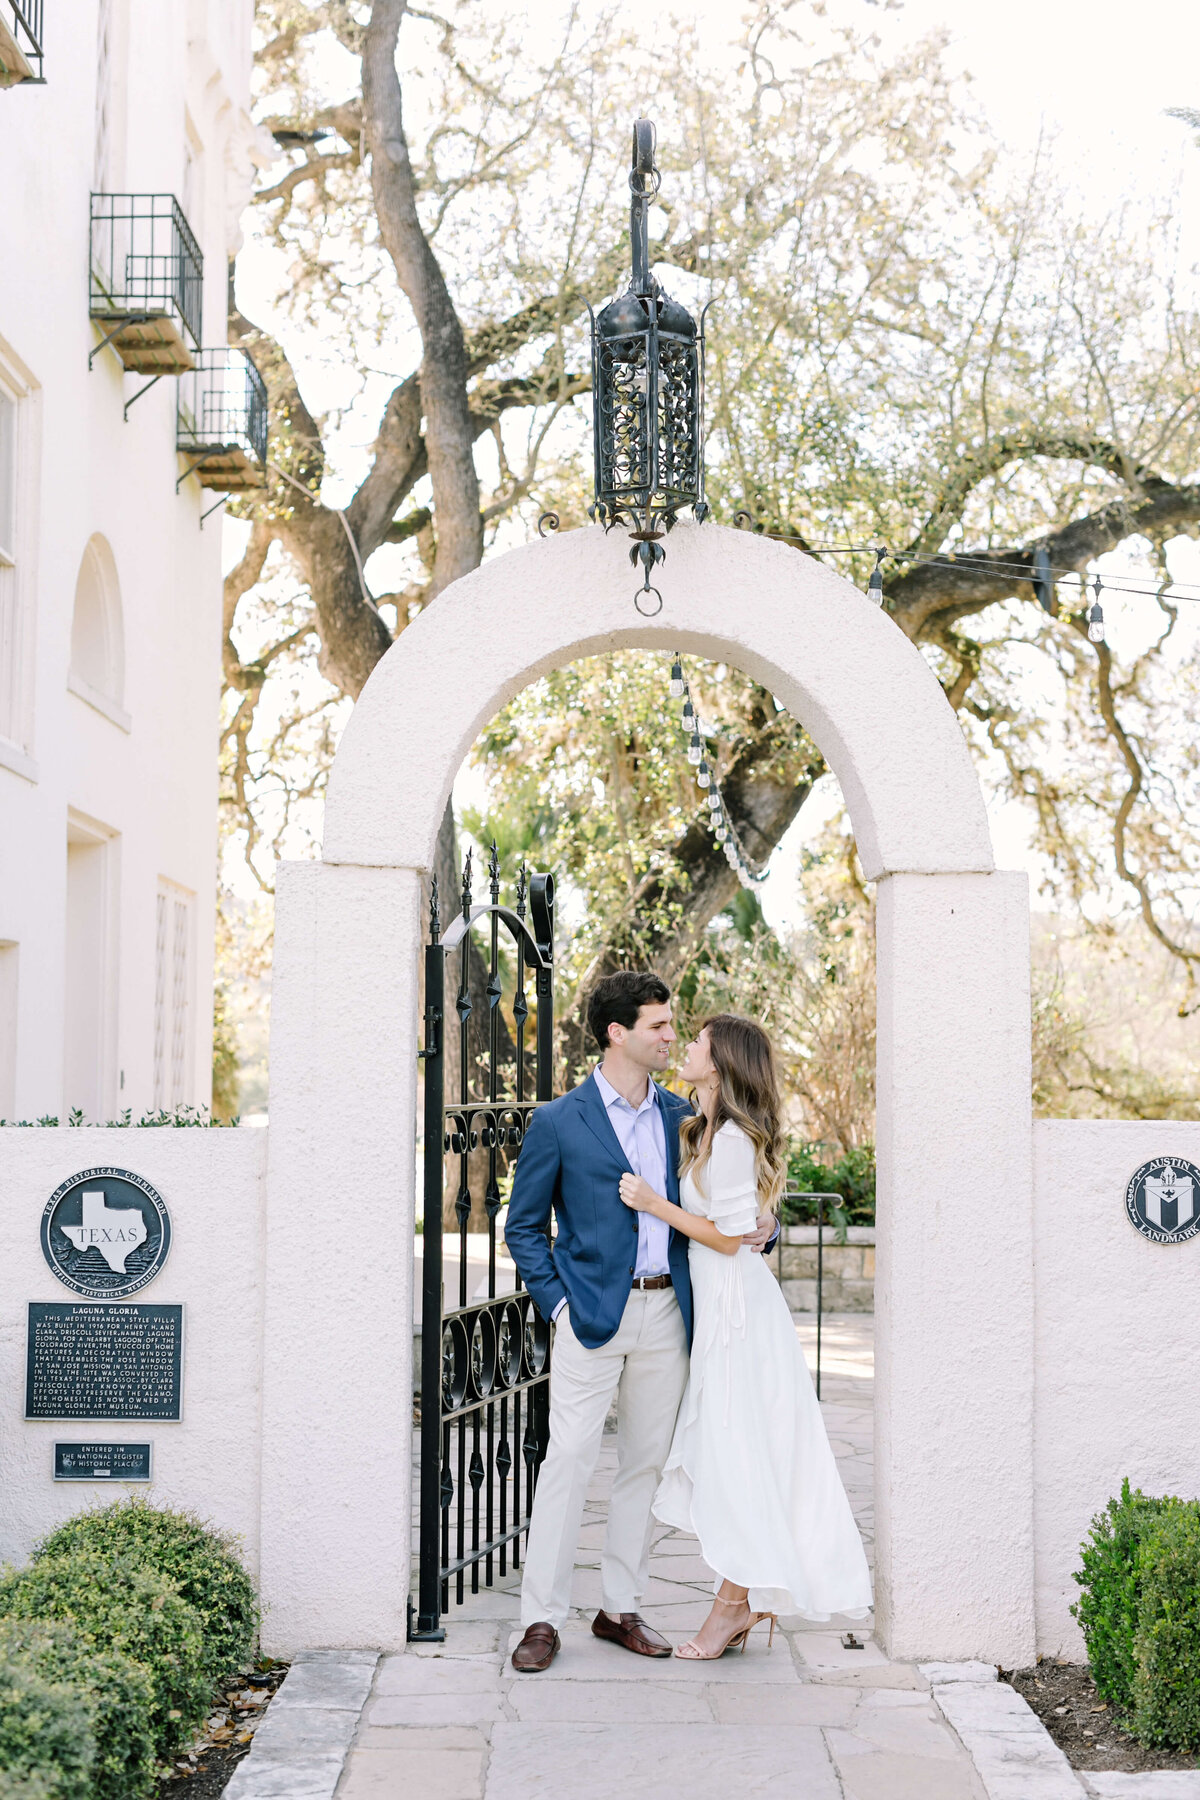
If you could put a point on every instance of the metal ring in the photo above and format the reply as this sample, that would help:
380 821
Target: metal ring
550 519
743 520
651 612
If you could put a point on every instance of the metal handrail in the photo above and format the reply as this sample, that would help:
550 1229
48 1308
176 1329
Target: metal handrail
26 28
222 405
144 259
804 1194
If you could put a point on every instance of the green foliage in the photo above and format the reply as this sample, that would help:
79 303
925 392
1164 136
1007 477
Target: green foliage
852 1175
176 1115
117 1603
116 1692
1110 1578
201 1562
45 1730
224 1060
1166 1673
26 1787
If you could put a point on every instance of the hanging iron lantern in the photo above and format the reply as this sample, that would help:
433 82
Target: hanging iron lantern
647 395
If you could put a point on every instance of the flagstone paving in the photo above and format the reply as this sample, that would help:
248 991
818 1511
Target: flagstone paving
808 1719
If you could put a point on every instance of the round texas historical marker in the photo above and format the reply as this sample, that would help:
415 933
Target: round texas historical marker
105 1233
1163 1200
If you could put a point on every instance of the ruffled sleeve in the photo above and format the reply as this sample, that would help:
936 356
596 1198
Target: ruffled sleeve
732 1182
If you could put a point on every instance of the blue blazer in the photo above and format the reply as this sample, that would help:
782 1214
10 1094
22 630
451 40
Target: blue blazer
571 1163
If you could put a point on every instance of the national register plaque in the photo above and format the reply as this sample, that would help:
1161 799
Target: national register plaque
106 1361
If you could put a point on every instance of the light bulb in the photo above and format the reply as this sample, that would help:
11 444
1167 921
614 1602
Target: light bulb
875 587
722 832
714 800
1096 624
676 681
689 715
694 751
702 775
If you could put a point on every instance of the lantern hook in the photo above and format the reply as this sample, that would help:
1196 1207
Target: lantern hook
644 183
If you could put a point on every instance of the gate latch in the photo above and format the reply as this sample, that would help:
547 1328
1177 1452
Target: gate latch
433 1033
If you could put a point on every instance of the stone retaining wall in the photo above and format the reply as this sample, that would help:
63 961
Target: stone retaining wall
849 1269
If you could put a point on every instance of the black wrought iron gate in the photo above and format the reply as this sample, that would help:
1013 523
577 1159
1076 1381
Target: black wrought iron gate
485 1361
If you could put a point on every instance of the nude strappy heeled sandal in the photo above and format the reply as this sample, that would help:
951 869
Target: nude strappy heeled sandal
736 1640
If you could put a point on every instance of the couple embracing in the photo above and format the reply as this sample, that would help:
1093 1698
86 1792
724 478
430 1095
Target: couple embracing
659 1295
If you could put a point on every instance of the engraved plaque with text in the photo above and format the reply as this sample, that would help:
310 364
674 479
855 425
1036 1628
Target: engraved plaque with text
103 1361
102 1462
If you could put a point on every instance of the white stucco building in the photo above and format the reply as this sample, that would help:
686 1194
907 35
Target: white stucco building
123 171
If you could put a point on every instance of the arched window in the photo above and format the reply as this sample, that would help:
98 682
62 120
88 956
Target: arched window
97 672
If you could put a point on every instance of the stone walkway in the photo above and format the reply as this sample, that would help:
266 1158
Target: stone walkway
809 1720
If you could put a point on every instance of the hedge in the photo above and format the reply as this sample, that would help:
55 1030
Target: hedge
201 1562
1166 1676
117 1603
45 1730
117 1692
1140 1614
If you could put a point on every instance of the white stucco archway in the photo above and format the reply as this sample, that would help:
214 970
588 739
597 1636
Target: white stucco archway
954 1485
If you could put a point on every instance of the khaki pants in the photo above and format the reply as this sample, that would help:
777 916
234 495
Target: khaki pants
646 1366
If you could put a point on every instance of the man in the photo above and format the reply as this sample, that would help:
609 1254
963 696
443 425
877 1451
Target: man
616 1285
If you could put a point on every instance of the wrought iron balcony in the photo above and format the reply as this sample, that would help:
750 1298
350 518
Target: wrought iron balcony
221 422
20 42
146 281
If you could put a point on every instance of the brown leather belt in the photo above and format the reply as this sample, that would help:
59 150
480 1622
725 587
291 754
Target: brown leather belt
647 1282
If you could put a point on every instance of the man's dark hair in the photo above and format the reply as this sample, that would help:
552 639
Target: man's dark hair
617 999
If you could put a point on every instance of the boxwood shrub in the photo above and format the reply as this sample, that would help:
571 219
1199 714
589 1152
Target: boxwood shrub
116 1691
202 1562
45 1730
117 1603
25 1787
1107 1609
1166 1646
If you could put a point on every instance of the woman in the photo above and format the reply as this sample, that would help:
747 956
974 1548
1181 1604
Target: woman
750 1472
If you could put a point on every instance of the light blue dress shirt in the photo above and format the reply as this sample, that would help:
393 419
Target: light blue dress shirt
642 1136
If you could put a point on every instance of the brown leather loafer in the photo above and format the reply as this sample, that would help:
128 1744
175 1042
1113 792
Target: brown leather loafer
632 1633
537 1649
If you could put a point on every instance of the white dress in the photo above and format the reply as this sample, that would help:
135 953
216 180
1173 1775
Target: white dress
751 1472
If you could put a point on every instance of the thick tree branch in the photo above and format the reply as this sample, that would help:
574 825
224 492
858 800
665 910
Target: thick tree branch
945 590
448 433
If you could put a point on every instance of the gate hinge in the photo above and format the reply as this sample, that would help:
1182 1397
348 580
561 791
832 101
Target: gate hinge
433 1033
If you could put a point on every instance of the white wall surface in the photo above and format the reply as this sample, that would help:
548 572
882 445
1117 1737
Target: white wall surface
1115 1341
213 1183
837 663
954 1293
338 1373
143 772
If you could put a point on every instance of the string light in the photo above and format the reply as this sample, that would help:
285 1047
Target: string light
875 585
1040 572
718 817
1095 617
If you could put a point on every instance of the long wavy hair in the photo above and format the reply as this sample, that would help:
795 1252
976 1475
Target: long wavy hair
748 1093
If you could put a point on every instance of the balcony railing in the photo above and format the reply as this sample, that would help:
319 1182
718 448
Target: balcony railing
20 42
221 422
146 281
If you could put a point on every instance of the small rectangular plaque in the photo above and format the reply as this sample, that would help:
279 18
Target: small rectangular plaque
106 1360
102 1462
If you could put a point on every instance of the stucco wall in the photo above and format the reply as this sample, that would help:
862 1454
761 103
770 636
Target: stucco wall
144 774
213 1185
1115 1346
